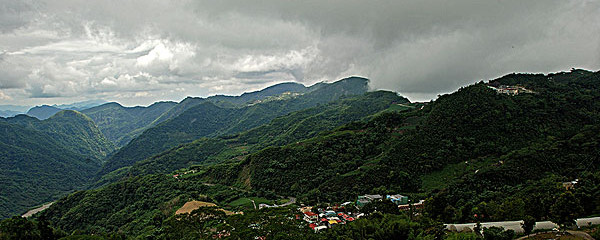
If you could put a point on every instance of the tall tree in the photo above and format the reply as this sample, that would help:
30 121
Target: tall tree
565 210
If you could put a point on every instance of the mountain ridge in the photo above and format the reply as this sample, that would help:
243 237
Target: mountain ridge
190 125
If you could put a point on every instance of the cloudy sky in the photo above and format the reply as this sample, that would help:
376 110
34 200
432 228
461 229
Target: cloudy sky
138 52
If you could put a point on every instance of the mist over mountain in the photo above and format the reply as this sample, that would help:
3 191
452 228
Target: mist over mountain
12 110
80 106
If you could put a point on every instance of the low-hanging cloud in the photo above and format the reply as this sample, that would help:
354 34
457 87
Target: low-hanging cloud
137 52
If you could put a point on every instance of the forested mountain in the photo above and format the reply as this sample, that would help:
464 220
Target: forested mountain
490 146
478 154
121 124
206 119
41 160
282 130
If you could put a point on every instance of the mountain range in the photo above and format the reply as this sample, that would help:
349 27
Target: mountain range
87 139
45 111
491 151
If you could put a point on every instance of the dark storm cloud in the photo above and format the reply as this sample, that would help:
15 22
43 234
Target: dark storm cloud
137 52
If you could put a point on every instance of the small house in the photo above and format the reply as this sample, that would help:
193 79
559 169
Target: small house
310 216
397 199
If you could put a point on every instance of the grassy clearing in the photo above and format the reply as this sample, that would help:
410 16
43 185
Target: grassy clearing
442 178
400 107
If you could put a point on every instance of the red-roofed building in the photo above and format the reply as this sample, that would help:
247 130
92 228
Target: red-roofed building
310 216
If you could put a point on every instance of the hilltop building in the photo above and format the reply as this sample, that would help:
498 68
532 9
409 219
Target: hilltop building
510 90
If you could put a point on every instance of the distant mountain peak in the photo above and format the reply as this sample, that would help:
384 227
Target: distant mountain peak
43 112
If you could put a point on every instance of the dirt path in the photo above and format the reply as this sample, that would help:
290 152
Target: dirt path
37 210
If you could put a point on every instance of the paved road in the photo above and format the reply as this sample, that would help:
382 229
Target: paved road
516 225
262 205
290 202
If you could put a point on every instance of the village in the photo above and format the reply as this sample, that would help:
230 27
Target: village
319 219
510 90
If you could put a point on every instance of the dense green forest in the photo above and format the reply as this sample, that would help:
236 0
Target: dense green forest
502 144
42 160
474 155
207 119
282 130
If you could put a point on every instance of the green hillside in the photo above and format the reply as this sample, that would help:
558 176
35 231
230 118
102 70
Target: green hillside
42 160
207 119
282 130
74 130
474 155
516 138
121 124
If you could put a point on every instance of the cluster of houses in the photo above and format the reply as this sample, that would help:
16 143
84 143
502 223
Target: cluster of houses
319 219
510 90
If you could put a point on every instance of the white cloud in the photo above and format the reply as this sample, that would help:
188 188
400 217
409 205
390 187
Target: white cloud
139 51
108 82
3 96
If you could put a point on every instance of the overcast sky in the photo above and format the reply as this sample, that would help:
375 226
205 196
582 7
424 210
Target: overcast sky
138 52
